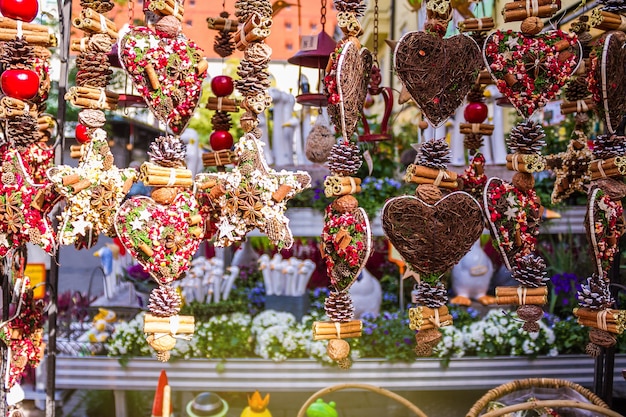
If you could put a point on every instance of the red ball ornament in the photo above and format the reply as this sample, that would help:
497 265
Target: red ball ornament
221 140
82 134
22 84
222 85
24 10
476 112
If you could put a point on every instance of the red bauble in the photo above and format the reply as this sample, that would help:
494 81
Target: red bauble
476 112
82 134
222 85
24 10
221 140
19 83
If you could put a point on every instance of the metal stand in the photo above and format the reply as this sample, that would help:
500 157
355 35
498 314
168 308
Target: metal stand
6 299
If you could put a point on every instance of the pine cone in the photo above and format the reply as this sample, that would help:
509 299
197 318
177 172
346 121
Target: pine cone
433 296
100 6
22 131
595 294
609 146
244 8
476 94
17 54
344 159
164 301
530 271
224 45
168 151
254 78
526 138
576 89
339 307
221 120
473 141
355 6
614 6
434 154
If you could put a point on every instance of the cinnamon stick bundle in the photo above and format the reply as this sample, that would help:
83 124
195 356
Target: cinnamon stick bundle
88 25
34 38
578 106
223 104
482 128
526 163
219 158
155 175
337 186
168 325
167 8
280 194
205 182
514 15
325 330
604 20
522 295
76 151
92 98
255 29
523 4
349 24
482 24
608 168
418 174
12 107
422 317
222 24
93 15
484 78
6 23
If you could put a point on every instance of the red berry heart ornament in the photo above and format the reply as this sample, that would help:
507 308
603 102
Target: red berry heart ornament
530 70
346 84
438 73
604 222
163 238
167 70
513 216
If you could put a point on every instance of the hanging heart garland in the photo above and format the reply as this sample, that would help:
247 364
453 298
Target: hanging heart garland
167 69
438 73
530 70
604 224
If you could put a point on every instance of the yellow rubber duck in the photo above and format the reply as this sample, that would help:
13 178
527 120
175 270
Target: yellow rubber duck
257 406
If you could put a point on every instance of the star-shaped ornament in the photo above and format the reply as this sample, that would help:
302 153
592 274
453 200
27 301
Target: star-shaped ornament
511 213
24 217
571 168
253 196
93 191
512 43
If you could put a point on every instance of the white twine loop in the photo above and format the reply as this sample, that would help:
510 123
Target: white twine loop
174 324
532 7
219 103
601 319
20 31
172 179
600 169
521 295
581 106
338 328
103 98
103 24
227 25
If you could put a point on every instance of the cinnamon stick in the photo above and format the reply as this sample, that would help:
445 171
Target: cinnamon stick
477 25
168 325
423 171
93 26
147 250
347 329
219 158
93 15
521 14
280 194
6 23
81 185
589 314
513 5
451 185
514 291
532 300
222 24
482 128
331 336
223 104
568 107
70 179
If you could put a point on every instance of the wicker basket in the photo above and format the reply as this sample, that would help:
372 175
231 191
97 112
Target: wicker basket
367 387
589 401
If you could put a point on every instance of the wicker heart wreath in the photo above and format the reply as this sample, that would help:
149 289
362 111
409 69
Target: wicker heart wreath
604 224
346 84
432 238
164 67
606 77
437 72
530 70
513 216
162 238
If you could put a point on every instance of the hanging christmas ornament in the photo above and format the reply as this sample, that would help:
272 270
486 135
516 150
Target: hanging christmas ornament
571 168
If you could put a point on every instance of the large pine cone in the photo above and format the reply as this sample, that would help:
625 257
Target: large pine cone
164 301
434 154
344 159
22 131
576 89
168 151
609 146
354 6
526 138
254 78
614 6
595 294
476 94
473 141
244 8
530 271
339 307
17 54
433 296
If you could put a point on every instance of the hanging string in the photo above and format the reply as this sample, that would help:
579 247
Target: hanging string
376 33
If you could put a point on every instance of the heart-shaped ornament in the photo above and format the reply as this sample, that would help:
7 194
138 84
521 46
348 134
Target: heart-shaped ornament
606 78
513 216
346 245
346 85
603 222
432 237
165 71
438 73
530 70
161 238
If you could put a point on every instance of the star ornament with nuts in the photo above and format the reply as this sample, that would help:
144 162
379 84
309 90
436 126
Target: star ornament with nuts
251 196
23 208
93 192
